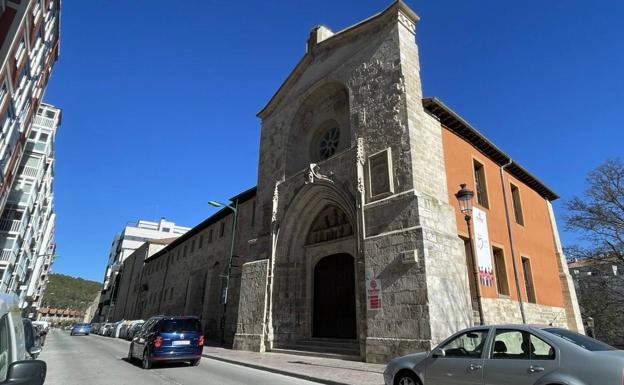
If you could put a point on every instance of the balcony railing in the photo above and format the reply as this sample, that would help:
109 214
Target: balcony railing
28 171
44 122
7 256
10 225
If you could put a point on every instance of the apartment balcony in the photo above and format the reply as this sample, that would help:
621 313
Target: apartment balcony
44 122
10 225
7 256
39 147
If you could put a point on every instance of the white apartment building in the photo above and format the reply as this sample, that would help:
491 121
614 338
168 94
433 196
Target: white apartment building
28 221
29 47
124 244
133 236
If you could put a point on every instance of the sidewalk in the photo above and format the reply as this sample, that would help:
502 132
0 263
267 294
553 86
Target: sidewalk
317 369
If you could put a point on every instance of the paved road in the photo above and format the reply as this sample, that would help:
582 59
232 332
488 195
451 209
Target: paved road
96 360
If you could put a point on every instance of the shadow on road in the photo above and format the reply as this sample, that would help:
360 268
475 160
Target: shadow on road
156 365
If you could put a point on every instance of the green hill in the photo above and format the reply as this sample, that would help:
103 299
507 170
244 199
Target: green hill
64 291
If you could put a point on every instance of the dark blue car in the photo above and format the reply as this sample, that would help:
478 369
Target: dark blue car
80 329
168 339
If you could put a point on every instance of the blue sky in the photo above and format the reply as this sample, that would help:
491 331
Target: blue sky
160 100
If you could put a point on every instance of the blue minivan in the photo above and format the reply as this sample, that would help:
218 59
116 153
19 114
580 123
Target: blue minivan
168 338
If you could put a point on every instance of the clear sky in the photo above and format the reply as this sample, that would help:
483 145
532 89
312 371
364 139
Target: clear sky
159 99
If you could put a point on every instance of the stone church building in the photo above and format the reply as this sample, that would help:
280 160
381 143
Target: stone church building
353 241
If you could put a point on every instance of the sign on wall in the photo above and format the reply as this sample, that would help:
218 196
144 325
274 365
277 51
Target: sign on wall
373 294
482 247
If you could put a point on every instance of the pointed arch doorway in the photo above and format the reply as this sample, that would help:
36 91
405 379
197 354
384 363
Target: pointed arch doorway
334 308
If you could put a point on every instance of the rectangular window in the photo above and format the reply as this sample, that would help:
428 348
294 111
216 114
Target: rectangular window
253 213
221 229
201 241
210 236
192 245
502 284
528 280
184 252
517 205
480 184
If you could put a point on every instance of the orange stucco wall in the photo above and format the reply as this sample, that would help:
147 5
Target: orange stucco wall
534 240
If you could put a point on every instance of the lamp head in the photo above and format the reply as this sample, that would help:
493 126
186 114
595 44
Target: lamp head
465 198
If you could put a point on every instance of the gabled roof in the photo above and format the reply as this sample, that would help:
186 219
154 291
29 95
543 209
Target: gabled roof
463 129
336 38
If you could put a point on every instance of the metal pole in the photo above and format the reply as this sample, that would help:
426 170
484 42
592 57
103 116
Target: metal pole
475 270
229 272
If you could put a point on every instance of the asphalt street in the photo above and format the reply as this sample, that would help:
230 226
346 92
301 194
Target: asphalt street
96 360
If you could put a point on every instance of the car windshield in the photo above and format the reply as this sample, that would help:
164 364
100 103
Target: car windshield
180 325
80 325
580 340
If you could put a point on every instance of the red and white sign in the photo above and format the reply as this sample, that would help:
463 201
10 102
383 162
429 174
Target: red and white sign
373 294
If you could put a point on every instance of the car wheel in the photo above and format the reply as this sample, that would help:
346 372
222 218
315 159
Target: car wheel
406 378
130 358
146 363
195 362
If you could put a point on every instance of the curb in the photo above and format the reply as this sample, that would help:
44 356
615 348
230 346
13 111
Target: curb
276 371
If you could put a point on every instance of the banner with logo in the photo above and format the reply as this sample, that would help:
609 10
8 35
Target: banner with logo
483 250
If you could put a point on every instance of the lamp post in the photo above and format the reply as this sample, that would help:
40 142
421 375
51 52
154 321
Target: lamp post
229 265
465 198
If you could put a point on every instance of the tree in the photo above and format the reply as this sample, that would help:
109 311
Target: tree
599 218
599 215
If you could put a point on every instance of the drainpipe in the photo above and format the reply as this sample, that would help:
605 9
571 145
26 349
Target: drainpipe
511 242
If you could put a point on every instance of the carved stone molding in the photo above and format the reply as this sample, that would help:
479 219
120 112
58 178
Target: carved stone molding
313 175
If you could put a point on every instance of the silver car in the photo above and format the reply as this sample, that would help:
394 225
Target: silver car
511 355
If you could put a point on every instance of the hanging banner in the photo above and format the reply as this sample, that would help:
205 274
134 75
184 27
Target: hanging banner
482 247
373 294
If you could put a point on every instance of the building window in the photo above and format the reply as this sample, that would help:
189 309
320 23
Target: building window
184 254
502 284
171 293
517 205
192 245
328 143
201 241
480 184
210 236
528 279
166 230
221 229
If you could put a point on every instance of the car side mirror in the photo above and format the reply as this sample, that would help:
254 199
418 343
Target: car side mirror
31 372
439 352
35 351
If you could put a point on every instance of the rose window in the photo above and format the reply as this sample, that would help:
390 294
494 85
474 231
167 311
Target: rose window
328 143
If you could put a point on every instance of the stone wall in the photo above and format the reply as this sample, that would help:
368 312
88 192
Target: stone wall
507 311
252 306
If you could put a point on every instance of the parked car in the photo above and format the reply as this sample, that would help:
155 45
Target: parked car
95 327
124 332
106 330
117 328
134 329
80 328
170 339
16 364
511 355
32 338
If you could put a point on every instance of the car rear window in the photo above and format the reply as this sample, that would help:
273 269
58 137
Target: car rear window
578 339
180 325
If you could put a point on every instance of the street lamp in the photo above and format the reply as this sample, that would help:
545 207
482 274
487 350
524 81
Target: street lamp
465 198
229 265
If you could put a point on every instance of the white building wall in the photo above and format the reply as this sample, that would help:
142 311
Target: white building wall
27 222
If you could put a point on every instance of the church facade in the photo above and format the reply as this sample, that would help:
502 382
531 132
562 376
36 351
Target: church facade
353 237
